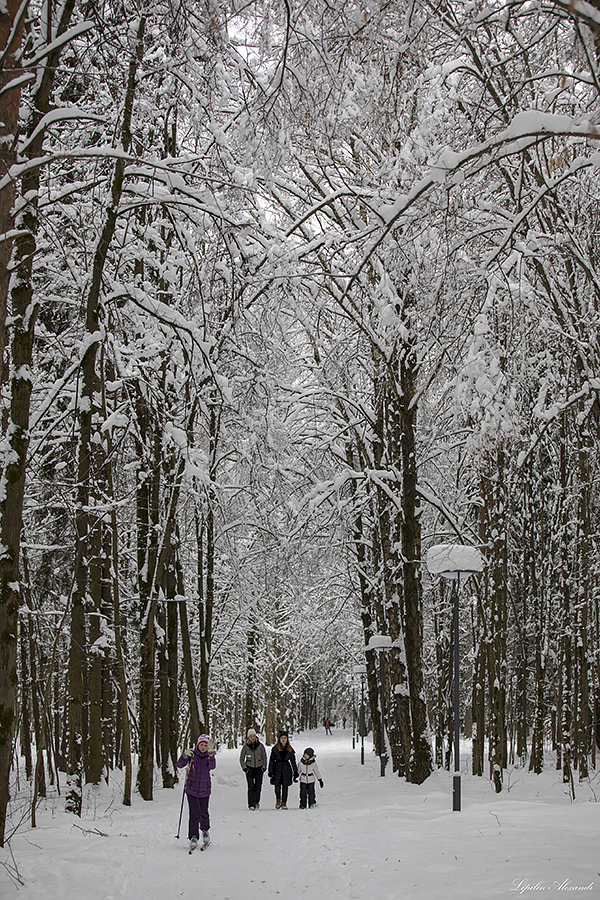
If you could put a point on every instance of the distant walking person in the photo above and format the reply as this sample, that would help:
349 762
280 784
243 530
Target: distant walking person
253 760
200 761
309 775
327 723
344 721
282 769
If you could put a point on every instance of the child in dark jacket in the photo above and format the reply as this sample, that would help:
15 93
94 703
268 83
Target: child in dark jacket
200 762
308 771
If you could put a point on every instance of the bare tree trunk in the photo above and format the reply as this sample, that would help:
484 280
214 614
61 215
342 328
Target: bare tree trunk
147 537
495 530
10 28
421 763
539 614
172 668
478 690
250 685
12 467
584 713
564 590
206 569
125 726
188 667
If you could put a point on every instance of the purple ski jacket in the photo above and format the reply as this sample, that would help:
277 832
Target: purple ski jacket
198 781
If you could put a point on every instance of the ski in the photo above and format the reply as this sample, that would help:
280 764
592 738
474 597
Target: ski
204 846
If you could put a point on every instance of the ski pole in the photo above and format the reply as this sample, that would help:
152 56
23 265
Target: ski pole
180 811
187 772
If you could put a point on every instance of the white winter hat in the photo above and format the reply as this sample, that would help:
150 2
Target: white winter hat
250 732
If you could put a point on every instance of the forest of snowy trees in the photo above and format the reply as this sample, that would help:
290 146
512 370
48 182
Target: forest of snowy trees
290 292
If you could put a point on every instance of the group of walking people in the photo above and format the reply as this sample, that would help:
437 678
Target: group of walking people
282 769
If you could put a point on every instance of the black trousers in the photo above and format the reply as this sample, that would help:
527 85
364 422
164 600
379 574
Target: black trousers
281 791
307 792
254 778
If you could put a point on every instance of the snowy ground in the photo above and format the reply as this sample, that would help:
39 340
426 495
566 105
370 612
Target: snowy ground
369 837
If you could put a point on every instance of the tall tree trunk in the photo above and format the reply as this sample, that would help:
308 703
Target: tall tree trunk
148 516
584 713
91 458
13 466
205 539
495 528
172 667
250 684
478 690
421 763
125 750
387 525
564 591
186 653
11 28
539 615
365 580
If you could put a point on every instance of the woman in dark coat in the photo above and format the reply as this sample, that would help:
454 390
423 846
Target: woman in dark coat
282 769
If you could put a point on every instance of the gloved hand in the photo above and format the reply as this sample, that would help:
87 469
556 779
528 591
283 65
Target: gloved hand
295 779
189 752
320 782
212 752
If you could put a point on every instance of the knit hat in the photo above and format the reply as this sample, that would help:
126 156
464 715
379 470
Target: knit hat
281 733
309 751
251 732
204 739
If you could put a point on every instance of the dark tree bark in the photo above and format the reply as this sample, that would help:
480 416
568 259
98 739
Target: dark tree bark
421 763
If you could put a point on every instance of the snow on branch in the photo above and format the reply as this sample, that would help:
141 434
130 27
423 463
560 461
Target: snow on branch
581 10
62 114
526 130
59 42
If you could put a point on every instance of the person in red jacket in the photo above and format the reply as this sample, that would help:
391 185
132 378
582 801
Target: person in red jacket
200 761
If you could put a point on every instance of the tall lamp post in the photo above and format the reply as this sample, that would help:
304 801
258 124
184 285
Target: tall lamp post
353 713
457 562
362 671
382 643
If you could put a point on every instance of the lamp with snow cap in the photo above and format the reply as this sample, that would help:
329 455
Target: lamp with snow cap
382 643
457 562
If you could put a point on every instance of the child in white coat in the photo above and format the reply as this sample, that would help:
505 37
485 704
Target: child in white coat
309 775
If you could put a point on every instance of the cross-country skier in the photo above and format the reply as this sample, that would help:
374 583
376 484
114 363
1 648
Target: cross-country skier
200 761
282 769
309 775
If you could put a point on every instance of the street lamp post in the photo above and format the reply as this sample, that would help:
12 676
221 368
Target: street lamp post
382 643
362 671
455 561
353 714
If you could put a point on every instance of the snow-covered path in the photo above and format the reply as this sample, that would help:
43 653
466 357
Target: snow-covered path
368 838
